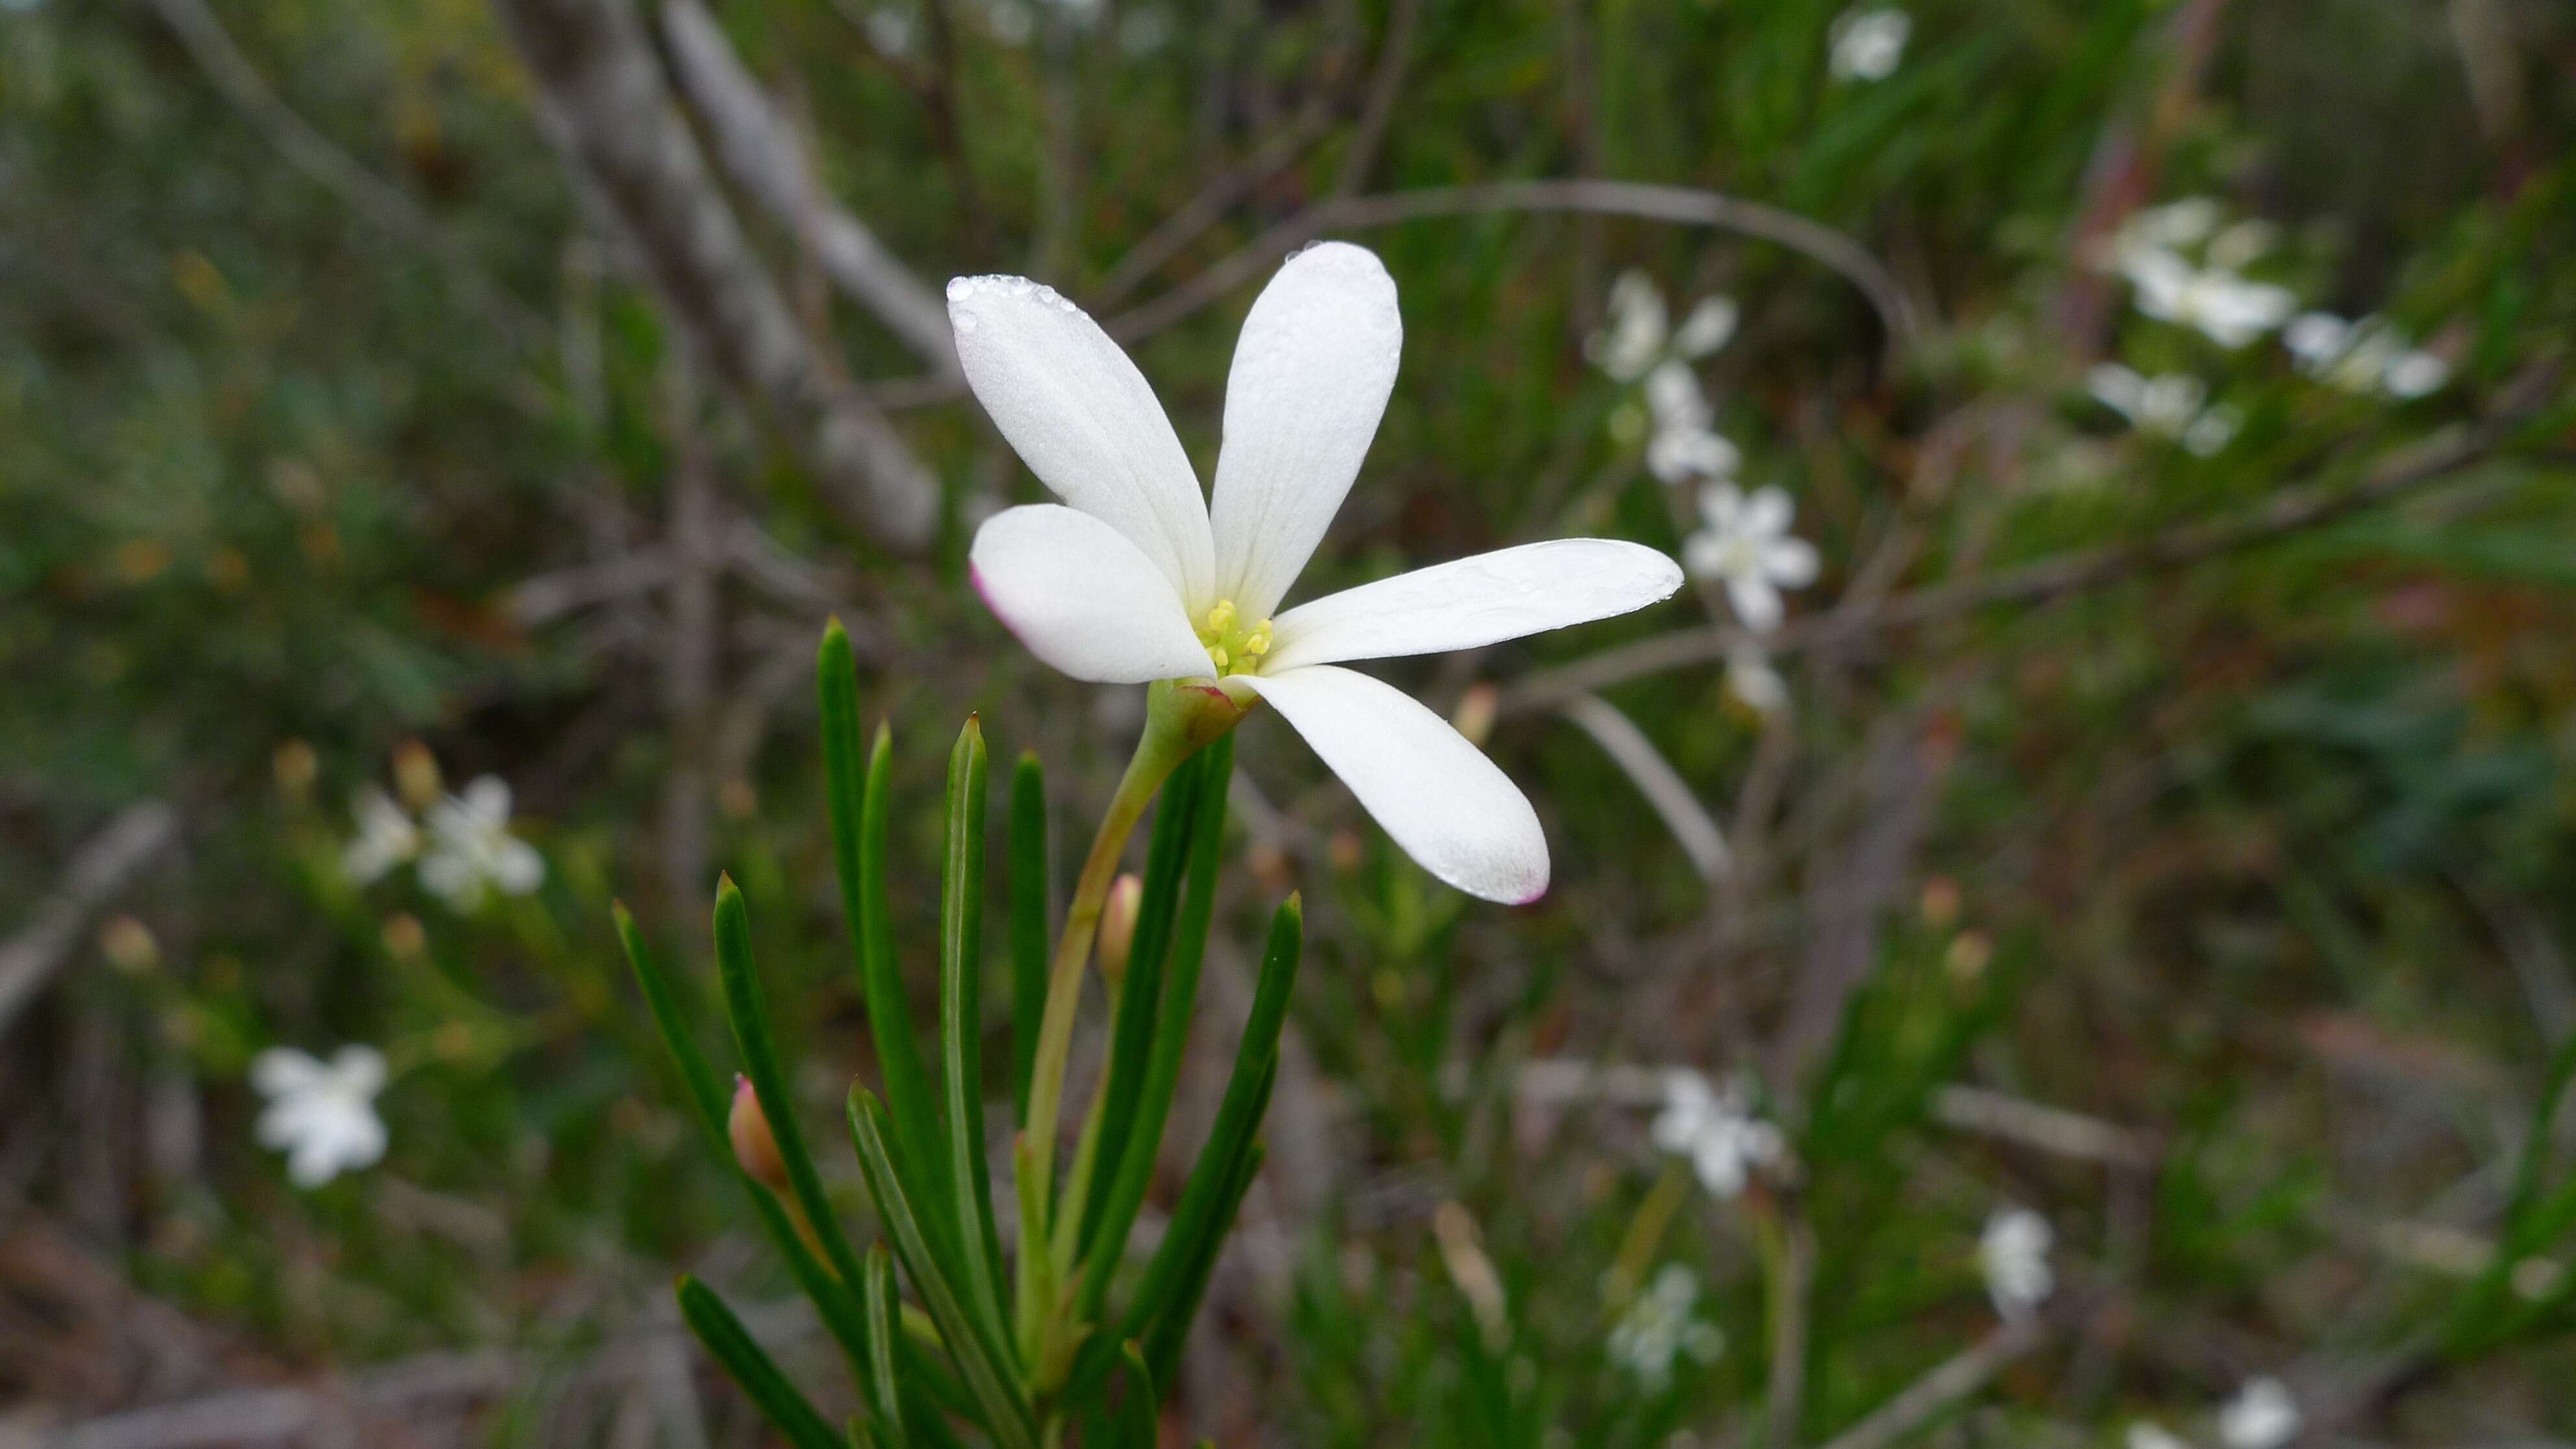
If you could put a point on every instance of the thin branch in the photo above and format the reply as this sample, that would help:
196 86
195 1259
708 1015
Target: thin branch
1656 779
765 158
2292 510
1942 1387
1677 204
1203 210
1386 86
381 202
602 80
99 869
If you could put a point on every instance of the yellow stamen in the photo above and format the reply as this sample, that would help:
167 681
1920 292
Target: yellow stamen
1218 657
1221 617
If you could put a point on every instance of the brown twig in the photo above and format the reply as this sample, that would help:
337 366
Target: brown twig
599 76
1677 204
99 869
762 155
1942 1387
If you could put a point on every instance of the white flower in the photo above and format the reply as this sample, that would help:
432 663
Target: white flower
2013 1251
2364 356
321 1114
1658 1327
1685 445
1750 677
2147 1434
890 31
472 851
1717 1132
2167 406
1747 546
1142 579
2186 222
1868 44
2221 305
2261 1416
386 838
1639 334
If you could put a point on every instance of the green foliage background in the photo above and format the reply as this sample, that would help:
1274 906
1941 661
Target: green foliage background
2271 858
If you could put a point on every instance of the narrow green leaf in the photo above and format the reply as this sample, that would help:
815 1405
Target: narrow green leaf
840 1313
908 1092
1029 918
661 994
961 1027
980 1360
1207 1201
1135 1426
1172 1327
750 1366
855 782
749 1010
884 1392
1140 999
1185 954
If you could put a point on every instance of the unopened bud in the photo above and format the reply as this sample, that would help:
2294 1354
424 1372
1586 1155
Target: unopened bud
405 939
755 1147
128 946
1118 926
416 774
1476 710
1940 902
296 766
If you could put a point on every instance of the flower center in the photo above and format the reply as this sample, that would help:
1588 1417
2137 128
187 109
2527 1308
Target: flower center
1233 647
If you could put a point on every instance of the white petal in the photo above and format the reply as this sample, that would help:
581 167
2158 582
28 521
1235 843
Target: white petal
487 801
1707 328
1768 511
1475 601
1081 416
1790 562
1720 504
358 1070
284 1071
1311 373
517 868
1756 602
1441 800
1083 598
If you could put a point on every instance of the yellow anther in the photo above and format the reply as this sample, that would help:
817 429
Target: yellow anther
1218 657
1258 644
1221 618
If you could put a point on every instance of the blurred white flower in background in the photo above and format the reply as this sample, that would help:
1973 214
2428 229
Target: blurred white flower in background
1869 44
472 851
1750 678
2364 356
2166 406
1716 1130
386 838
322 1115
1685 443
890 31
2147 1434
2214 301
2183 268
2013 1251
1639 333
1746 546
2261 1416
1658 1328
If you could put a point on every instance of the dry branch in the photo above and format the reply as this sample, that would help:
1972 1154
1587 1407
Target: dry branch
602 81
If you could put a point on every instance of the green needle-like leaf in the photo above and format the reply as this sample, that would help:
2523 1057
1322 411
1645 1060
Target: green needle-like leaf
856 788
1162 1072
982 1361
1208 1199
961 1023
1172 1327
749 1010
1029 918
750 1366
1140 998
661 994
832 1299
1135 1427
884 1391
